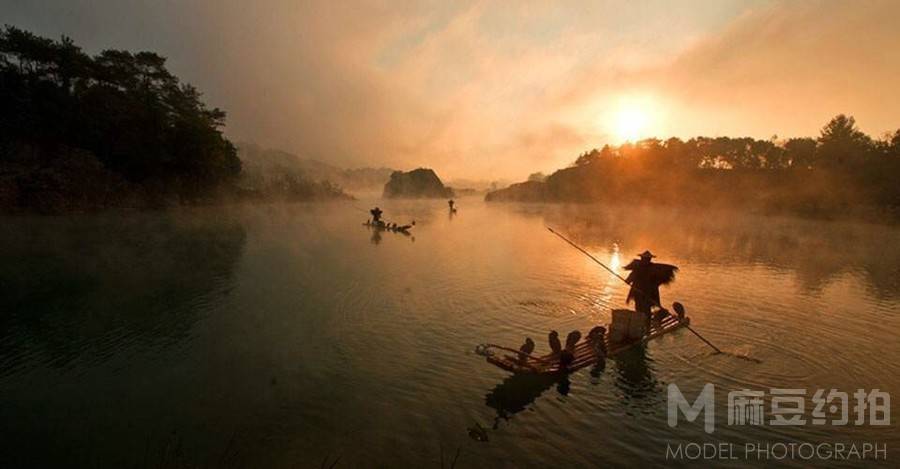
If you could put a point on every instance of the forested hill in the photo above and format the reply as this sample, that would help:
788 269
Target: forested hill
262 162
81 131
842 169
78 131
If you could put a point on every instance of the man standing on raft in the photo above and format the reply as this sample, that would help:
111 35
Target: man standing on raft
376 216
645 278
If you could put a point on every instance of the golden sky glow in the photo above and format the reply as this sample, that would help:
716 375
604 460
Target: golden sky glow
631 119
498 89
631 124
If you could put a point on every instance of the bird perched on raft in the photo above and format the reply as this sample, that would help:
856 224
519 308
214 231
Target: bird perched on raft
377 223
526 349
594 350
553 340
597 337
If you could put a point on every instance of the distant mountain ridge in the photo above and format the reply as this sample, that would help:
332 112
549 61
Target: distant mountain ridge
268 162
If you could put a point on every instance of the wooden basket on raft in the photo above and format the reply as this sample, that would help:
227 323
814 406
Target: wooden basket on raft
585 353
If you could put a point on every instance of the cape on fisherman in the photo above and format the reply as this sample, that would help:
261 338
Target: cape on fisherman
645 279
376 215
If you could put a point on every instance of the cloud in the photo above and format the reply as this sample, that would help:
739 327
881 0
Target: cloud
789 70
780 69
487 89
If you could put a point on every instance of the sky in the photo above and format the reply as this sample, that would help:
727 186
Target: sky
490 89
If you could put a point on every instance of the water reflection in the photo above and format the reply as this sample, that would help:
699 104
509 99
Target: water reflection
610 284
378 236
634 374
85 290
632 371
305 338
517 392
614 261
817 251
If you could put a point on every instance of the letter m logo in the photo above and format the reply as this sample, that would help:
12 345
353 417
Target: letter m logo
706 402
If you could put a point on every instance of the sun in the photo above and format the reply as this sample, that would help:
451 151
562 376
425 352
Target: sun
629 117
630 123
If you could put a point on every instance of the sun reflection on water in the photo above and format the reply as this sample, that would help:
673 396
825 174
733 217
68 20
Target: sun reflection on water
604 300
614 261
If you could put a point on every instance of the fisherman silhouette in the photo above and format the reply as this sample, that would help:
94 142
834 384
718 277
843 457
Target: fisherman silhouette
645 278
450 203
376 215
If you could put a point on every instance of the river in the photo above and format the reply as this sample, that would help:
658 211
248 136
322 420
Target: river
293 336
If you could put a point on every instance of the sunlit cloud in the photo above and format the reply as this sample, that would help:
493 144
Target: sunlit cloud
491 90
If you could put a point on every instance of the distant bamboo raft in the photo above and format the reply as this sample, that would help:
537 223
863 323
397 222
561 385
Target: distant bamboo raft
585 353
385 227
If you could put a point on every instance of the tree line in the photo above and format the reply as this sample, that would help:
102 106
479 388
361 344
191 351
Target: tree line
841 169
126 109
840 146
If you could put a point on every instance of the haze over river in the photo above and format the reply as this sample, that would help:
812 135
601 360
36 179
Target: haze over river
287 335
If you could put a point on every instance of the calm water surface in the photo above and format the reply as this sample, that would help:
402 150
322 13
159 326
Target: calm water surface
285 336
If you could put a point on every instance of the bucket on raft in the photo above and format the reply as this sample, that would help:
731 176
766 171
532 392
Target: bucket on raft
627 325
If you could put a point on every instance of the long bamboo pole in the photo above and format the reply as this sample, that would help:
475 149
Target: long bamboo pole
626 282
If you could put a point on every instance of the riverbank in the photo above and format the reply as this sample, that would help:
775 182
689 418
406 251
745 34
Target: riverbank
67 180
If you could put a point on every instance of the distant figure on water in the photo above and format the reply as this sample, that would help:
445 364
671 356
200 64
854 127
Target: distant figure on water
451 203
376 215
526 349
553 340
645 278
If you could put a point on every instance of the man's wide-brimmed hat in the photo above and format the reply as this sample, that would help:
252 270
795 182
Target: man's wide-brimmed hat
646 254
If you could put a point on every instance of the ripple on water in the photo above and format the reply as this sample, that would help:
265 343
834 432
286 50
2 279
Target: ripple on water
371 344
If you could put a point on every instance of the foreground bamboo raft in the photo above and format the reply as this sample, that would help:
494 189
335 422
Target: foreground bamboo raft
585 354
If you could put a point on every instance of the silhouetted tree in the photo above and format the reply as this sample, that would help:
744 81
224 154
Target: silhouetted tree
842 167
841 143
892 145
126 109
800 152
588 157
683 154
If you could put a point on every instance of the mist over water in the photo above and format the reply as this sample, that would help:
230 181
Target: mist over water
282 335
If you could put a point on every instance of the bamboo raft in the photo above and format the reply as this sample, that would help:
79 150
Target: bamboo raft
585 353
404 229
